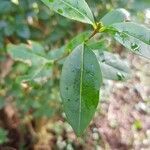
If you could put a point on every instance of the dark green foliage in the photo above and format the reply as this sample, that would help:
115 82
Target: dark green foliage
79 86
34 83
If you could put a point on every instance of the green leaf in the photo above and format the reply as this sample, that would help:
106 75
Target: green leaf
112 67
140 5
27 54
9 29
73 9
134 37
137 124
115 16
33 55
79 87
77 40
56 53
37 48
5 6
3 136
38 74
2 102
96 45
23 31
45 109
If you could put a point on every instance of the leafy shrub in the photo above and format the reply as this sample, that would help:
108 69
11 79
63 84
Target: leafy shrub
88 59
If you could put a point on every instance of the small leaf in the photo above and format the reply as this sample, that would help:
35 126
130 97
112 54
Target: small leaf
33 55
5 6
23 31
96 45
115 16
137 124
2 102
9 29
3 136
79 86
26 54
38 74
134 37
37 48
112 67
45 109
73 9
77 40
56 53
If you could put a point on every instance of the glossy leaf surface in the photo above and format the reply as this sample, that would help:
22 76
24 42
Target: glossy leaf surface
112 67
134 37
115 16
79 86
72 9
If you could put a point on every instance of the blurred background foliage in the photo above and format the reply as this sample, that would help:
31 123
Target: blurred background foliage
24 106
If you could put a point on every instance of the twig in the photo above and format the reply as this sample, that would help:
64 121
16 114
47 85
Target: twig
92 35
62 57
96 30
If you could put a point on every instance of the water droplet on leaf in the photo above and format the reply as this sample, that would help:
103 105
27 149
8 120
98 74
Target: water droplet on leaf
135 47
124 37
60 11
120 76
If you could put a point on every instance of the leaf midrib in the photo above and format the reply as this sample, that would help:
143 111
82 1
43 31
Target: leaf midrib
77 11
81 80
